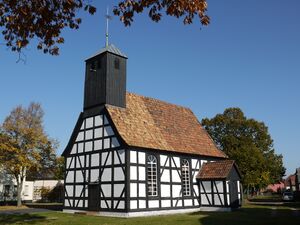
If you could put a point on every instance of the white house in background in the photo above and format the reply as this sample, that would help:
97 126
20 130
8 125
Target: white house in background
39 184
131 155
30 191
8 188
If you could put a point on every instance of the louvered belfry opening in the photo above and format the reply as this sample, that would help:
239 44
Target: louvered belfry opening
105 78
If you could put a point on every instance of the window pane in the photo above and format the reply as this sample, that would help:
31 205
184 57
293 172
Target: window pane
185 172
152 175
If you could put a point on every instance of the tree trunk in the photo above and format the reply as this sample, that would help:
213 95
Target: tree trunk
19 192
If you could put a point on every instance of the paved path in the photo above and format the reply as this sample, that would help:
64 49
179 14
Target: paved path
22 211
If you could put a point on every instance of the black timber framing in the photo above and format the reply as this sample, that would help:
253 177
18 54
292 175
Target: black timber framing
169 155
213 193
87 155
123 146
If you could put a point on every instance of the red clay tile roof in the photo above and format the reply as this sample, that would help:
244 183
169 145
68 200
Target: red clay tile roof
154 124
215 170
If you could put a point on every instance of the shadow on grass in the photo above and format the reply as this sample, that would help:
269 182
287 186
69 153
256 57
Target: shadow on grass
21 218
251 216
272 204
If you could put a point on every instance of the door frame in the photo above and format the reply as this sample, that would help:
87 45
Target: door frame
91 207
233 192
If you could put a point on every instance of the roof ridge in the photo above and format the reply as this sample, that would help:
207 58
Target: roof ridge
158 100
110 48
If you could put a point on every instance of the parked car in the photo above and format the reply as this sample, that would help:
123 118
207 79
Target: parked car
287 196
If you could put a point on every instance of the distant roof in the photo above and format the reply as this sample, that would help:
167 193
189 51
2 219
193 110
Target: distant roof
154 124
290 180
110 48
216 170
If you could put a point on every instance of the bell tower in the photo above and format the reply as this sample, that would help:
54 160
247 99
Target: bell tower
105 76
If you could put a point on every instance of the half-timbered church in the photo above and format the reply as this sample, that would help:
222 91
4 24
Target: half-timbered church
131 155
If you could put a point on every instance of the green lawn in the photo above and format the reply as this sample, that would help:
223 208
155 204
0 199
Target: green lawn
10 207
248 215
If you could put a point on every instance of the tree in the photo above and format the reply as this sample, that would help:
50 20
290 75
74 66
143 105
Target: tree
47 162
249 143
24 20
59 169
23 142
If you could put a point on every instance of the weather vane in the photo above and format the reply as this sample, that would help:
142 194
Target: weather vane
108 17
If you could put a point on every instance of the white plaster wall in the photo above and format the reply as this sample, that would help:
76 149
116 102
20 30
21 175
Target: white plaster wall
165 190
175 176
88 134
89 122
166 176
118 188
220 186
94 175
188 202
142 204
142 173
70 177
166 203
118 174
164 160
133 190
133 173
106 175
142 190
133 156
98 120
207 186
176 190
153 203
106 189
69 190
133 204
79 176
177 162
142 158
95 159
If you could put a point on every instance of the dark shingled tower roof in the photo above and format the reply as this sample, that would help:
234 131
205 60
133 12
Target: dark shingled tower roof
110 48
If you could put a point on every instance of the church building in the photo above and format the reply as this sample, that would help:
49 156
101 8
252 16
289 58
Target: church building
131 155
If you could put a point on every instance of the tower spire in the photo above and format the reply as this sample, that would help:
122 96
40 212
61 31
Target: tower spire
108 17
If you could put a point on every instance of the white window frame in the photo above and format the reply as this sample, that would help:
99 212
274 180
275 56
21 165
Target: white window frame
185 176
152 176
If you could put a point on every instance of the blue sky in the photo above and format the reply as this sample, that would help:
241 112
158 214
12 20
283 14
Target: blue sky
248 57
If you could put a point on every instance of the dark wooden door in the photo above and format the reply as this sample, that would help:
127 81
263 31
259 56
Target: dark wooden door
234 198
94 197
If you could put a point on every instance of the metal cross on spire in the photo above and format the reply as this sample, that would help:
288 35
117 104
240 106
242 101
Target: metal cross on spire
108 17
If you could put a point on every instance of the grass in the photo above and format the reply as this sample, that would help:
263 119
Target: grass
11 207
266 198
44 203
248 215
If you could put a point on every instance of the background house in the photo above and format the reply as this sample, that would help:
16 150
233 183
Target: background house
32 191
290 182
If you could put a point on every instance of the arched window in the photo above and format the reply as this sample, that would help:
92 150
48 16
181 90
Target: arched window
185 173
152 175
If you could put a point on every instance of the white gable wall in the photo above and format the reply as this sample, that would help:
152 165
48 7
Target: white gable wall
95 157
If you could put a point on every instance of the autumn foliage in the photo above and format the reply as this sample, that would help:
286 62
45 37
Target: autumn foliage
24 143
24 20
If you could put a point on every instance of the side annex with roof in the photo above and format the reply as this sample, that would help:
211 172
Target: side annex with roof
131 155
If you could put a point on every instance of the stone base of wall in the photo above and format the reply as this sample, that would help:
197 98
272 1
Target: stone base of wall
148 213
